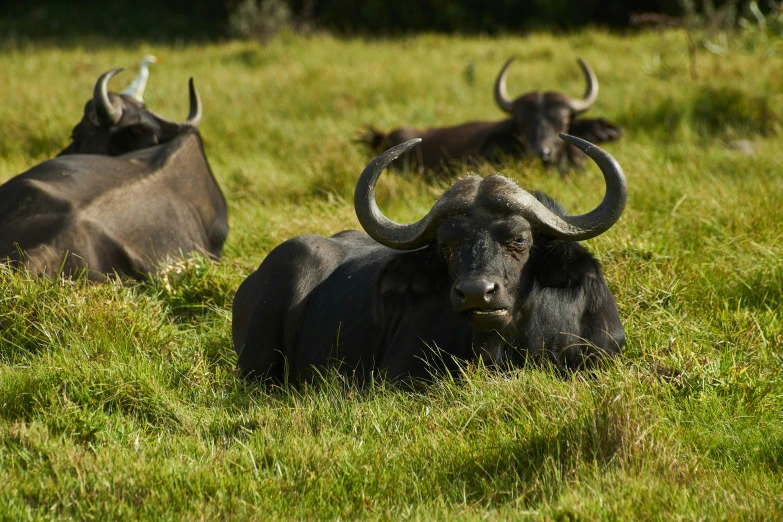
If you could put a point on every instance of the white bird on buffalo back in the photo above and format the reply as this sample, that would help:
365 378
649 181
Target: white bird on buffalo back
136 88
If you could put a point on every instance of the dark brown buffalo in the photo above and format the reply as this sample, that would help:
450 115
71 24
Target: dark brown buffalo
491 272
532 128
114 124
116 214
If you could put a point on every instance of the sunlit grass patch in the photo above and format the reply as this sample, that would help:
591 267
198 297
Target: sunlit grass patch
120 400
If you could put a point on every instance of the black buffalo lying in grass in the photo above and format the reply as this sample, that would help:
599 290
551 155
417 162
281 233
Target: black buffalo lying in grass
120 214
536 119
491 272
114 124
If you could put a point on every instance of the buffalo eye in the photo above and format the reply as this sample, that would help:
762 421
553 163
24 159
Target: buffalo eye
517 243
449 248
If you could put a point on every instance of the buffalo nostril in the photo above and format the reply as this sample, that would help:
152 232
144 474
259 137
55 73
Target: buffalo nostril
475 292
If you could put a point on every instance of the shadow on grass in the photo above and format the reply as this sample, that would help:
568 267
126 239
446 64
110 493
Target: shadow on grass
538 466
759 290
80 404
710 112
32 143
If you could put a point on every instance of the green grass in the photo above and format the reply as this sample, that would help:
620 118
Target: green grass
119 401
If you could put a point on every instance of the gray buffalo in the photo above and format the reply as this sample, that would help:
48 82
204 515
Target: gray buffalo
491 272
532 128
119 214
114 124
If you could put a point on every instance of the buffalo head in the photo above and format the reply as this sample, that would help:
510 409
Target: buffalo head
114 124
539 117
484 230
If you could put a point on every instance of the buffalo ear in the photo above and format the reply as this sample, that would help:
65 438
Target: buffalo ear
594 130
557 263
562 264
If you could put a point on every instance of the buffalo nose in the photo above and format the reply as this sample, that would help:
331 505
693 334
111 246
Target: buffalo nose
545 152
475 293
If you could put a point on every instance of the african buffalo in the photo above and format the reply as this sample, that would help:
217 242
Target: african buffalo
491 272
116 214
536 119
114 124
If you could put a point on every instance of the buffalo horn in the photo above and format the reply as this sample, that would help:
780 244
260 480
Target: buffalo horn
501 95
519 201
107 113
386 231
586 226
591 92
194 116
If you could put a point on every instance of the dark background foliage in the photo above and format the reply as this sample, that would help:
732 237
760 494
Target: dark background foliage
208 19
478 15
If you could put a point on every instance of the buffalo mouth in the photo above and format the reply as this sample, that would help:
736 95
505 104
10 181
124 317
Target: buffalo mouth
487 318
484 312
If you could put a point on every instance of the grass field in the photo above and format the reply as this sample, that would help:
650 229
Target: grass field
119 401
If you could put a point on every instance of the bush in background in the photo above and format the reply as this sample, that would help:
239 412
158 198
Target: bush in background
259 19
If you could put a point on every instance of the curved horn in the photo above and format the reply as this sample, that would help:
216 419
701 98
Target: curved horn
382 229
591 92
568 228
194 116
378 226
501 95
107 113
586 226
